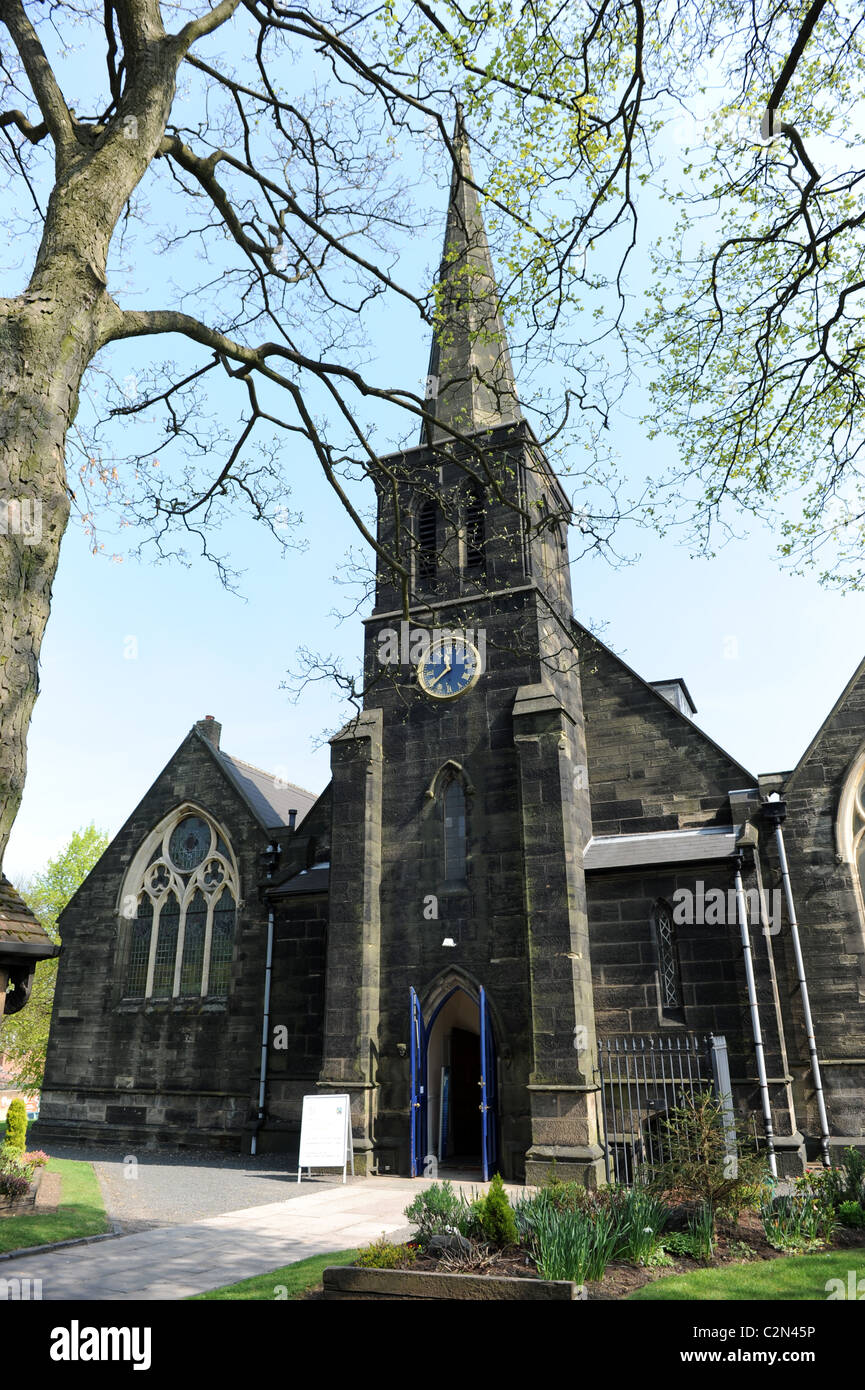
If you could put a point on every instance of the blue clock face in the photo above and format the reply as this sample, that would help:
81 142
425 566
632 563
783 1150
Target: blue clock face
452 667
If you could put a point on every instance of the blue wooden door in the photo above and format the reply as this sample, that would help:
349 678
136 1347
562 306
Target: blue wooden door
417 1098
488 1091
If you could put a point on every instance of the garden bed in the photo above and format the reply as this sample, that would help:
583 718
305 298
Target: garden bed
695 1213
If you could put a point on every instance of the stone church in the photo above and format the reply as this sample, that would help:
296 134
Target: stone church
534 898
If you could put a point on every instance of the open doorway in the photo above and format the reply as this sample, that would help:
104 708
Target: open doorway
453 1085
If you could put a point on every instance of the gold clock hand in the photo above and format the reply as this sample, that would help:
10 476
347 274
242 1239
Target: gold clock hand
439 676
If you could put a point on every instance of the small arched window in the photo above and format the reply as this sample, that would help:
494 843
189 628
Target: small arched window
182 892
475 528
454 832
426 544
669 969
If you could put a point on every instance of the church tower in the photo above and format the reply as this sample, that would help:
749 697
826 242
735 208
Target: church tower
459 1012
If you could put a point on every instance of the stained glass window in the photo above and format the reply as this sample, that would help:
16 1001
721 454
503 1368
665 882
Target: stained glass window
221 944
193 944
166 949
185 880
454 809
139 949
189 842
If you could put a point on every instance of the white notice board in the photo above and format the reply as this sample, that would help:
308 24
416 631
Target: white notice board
325 1134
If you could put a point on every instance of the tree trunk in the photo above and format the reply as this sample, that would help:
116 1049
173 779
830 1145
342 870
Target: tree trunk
48 337
46 342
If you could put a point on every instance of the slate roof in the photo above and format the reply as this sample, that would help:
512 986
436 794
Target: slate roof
659 847
270 797
314 880
21 934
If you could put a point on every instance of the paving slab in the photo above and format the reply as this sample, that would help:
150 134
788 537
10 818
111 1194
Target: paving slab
174 1262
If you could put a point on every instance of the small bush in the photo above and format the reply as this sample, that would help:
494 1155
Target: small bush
845 1183
16 1126
36 1158
496 1215
851 1214
440 1211
699 1166
680 1243
383 1254
13 1184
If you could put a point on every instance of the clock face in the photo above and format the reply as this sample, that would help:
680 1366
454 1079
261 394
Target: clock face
452 667
189 843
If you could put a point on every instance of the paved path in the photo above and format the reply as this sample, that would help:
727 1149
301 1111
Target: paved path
173 1187
176 1261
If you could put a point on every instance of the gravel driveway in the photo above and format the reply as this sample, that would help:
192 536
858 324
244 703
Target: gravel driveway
172 1187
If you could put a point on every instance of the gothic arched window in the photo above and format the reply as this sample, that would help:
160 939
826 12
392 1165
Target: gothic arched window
475 528
181 895
454 831
669 969
426 543
850 830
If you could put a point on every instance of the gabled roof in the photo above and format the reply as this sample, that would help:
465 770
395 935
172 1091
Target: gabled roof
747 778
270 797
858 675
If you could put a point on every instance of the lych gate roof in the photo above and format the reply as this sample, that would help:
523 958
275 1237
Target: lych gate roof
21 934
471 382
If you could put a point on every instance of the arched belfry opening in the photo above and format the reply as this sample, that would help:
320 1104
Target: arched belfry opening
454 1083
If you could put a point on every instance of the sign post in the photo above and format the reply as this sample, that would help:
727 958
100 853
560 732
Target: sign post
325 1134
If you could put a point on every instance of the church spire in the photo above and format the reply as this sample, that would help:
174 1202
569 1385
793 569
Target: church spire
470 383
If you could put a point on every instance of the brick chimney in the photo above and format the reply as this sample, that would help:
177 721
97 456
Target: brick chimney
210 729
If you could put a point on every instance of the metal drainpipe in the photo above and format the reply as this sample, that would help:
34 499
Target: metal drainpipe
776 812
265 1030
755 1016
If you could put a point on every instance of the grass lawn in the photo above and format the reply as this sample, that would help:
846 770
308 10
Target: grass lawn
795 1277
294 1279
80 1213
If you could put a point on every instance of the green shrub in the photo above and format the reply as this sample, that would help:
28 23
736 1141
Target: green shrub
383 1254
699 1166
15 1172
496 1215
851 1214
846 1183
440 1211
16 1126
681 1243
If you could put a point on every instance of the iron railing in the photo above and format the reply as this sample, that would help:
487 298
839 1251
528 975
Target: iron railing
641 1079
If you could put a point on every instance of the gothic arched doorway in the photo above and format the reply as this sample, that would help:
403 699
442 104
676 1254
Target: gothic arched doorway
453 1083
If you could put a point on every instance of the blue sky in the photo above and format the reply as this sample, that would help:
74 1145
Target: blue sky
135 653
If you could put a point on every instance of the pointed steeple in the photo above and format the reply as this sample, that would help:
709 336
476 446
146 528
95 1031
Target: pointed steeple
470 383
